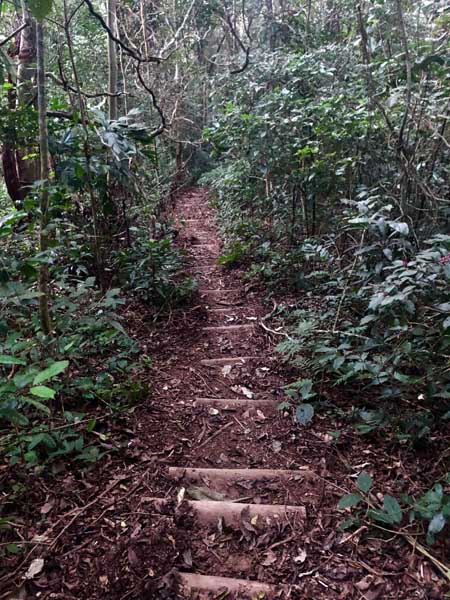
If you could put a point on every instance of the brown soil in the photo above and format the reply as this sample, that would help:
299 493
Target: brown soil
99 530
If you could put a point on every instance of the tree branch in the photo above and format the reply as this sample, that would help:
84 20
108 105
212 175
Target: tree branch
156 106
66 86
13 34
125 48
234 33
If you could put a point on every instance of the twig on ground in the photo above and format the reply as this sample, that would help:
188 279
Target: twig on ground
283 333
444 569
218 432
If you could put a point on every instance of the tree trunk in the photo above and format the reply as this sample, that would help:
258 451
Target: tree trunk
28 170
20 174
44 160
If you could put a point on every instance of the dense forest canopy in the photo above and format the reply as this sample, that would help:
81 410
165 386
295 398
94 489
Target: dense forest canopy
321 129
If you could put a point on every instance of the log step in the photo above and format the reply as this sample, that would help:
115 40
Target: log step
208 512
228 328
218 362
237 403
208 292
191 220
208 585
234 475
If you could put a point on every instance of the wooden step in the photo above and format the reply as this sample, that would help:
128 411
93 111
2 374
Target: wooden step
199 220
211 586
234 475
209 511
228 328
232 404
218 362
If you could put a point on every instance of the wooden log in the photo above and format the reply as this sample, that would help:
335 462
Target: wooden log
218 362
209 511
212 584
233 475
237 403
228 328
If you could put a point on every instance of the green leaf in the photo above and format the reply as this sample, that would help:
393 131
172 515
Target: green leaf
380 515
40 8
13 548
11 360
91 424
31 457
42 391
392 508
353 522
349 500
304 413
119 327
13 416
283 405
36 404
437 523
305 388
51 371
364 482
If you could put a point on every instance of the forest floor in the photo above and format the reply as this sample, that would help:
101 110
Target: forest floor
208 480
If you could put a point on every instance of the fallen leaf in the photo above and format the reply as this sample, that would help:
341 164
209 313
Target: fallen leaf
269 558
180 495
276 446
365 583
226 370
35 568
132 557
240 389
187 558
47 507
301 557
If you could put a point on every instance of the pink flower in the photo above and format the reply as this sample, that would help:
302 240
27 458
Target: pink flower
445 259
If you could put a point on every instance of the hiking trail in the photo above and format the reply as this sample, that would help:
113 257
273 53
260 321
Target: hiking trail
240 391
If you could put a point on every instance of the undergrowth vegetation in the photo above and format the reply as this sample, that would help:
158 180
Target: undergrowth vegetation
108 243
332 187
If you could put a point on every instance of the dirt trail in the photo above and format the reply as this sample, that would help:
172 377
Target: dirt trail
240 393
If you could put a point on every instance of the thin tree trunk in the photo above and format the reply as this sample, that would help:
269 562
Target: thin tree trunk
93 200
44 160
308 24
112 60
